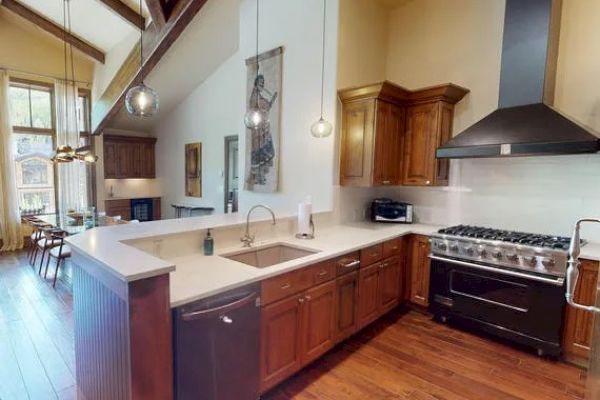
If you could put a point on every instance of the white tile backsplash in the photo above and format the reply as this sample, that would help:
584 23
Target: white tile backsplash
537 194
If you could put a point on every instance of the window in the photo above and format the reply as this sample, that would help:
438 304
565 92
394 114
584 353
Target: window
83 115
31 108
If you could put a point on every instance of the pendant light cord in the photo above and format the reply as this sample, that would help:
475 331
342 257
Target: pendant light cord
323 56
141 43
257 72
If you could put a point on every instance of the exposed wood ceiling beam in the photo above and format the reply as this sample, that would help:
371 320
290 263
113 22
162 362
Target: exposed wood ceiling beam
53 29
156 43
125 12
157 11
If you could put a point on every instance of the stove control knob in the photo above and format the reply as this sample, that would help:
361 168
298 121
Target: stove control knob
469 250
531 260
454 247
512 257
497 254
548 262
442 246
481 251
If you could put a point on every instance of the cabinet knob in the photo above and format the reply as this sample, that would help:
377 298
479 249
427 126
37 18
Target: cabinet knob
307 297
301 300
428 182
386 182
226 319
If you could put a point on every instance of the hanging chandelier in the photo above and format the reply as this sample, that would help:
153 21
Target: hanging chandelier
141 100
66 153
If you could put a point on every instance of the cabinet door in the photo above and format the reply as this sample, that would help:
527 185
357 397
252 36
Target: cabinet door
356 147
110 160
420 144
389 129
419 270
135 160
442 167
318 316
123 160
346 309
389 284
579 323
368 294
280 340
148 160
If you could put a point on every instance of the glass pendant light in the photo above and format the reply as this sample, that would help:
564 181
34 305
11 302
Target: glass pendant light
255 117
322 128
141 100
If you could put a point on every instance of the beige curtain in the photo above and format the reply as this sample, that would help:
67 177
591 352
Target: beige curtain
72 185
10 219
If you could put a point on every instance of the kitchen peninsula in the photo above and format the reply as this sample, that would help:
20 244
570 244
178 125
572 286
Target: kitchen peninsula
140 271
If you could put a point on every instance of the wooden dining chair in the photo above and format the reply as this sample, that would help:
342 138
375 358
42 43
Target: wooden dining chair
44 245
38 238
60 252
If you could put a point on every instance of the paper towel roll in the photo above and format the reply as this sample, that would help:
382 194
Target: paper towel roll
304 213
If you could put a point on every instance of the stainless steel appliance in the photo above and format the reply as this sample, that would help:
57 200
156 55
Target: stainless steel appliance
388 210
508 284
141 210
216 346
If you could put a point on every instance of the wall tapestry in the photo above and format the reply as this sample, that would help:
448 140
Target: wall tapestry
193 169
262 145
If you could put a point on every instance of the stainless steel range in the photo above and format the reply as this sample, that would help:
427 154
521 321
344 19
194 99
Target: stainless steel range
509 284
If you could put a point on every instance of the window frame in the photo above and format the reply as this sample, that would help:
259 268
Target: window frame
39 85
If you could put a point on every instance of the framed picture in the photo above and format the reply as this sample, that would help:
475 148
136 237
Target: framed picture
261 170
193 169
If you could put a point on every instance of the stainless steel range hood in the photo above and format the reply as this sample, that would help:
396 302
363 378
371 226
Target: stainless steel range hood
525 124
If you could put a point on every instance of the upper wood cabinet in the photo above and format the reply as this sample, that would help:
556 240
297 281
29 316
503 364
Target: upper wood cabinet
578 327
129 157
390 134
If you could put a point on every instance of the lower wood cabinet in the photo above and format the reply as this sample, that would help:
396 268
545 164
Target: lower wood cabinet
578 327
296 331
378 289
346 309
419 269
389 284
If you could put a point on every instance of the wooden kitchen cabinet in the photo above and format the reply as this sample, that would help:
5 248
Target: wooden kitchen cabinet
419 269
368 294
390 134
578 327
280 347
428 126
389 284
318 317
128 157
346 310
118 208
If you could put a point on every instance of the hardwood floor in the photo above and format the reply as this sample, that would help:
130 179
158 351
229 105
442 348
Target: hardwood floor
404 356
408 356
37 356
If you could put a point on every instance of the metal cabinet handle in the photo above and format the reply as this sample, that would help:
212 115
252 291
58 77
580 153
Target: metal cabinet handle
301 300
386 182
226 319
307 297
286 286
190 316
323 273
573 268
428 182
346 263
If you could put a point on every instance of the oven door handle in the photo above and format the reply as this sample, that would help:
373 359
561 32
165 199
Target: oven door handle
555 282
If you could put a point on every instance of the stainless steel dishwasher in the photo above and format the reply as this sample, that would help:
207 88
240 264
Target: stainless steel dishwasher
216 346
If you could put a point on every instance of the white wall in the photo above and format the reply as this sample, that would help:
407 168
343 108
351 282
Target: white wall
216 108
433 41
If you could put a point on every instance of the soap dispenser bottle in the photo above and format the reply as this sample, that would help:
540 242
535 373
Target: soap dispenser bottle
209 244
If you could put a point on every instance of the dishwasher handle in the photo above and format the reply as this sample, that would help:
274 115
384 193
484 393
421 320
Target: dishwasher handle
220 310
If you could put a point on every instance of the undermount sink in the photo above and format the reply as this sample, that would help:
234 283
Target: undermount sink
272 254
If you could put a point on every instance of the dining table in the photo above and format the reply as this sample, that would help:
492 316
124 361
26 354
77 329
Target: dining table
73 225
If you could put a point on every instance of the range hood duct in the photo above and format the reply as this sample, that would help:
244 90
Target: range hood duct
525 124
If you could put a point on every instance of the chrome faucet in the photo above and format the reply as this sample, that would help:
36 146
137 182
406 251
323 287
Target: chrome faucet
248 239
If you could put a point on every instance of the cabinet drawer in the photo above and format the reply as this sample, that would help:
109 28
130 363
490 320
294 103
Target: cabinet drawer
371 255
347 263
322 272
392 247
124 203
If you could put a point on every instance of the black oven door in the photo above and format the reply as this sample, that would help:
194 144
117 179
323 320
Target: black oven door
526 309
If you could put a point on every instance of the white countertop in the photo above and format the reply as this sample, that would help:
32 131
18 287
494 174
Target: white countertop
195 276
198 276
